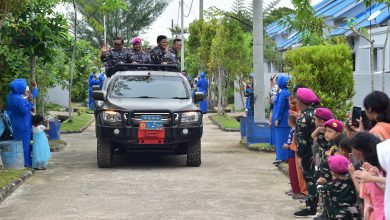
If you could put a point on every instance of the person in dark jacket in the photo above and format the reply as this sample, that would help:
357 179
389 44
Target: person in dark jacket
157 54
118 54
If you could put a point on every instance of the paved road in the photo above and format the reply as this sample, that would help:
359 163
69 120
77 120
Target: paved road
232 183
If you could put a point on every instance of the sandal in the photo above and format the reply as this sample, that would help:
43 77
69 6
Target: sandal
289 193
299 196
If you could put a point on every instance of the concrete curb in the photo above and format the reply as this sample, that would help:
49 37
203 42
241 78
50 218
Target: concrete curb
82 129
223 128
11 187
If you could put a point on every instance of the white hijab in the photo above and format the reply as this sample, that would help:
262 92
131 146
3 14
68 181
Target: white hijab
383 151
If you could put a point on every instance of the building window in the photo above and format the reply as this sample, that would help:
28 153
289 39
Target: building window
353 61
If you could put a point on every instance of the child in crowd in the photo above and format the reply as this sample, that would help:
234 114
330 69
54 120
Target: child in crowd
333 129
343 146
321 116
41 149
340 192
364 149
292 171
305 127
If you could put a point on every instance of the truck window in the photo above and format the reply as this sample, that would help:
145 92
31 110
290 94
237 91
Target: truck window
161 87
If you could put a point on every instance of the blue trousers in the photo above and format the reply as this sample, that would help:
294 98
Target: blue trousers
25 137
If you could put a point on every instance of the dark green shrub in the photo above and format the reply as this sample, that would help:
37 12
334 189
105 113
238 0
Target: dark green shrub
327 70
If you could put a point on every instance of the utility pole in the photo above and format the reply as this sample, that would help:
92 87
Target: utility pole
182 34
200 9
105 28
258 60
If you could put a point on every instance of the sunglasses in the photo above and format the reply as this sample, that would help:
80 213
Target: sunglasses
117 44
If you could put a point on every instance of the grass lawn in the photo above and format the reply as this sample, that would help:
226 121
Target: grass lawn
7 176
264 147
56 143
53 107
77 122
227 121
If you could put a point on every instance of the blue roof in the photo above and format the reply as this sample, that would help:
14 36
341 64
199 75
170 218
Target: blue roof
334 7
320 5
361 21
296 38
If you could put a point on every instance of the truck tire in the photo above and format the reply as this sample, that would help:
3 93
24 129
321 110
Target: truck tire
194 154
104 153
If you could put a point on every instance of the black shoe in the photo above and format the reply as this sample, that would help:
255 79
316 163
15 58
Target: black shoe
277 162
305 213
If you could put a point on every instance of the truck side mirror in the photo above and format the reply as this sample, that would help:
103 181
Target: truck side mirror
199 96
95 87
99 95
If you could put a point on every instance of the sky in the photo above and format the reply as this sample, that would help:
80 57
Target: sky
163 23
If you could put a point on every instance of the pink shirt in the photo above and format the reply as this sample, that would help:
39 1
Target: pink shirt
375 196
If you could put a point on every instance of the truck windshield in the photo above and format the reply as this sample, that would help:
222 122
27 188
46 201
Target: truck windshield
149 87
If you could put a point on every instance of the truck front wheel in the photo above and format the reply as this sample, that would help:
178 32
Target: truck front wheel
104 153
194 154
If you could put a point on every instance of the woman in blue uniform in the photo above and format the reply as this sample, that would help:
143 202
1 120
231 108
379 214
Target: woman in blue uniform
203 85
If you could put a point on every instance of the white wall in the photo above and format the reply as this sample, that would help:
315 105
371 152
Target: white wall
58 96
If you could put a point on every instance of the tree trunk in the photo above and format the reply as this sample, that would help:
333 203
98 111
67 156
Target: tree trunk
372 66
219 90
224 89
72 62
383 57
241 85
33 66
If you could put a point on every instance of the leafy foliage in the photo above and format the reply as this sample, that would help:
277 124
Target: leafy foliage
126 22
327 70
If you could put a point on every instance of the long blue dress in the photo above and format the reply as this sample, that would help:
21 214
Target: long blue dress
281 114
19 110
203 85
41 150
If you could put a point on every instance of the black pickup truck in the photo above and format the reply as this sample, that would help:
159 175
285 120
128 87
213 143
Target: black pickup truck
147 108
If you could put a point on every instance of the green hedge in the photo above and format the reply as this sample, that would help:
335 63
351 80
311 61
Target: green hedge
328 71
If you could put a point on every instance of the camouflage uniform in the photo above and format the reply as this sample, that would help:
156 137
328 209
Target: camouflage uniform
304 128
172 57
324 170
157 55
341 197
113 57
140 57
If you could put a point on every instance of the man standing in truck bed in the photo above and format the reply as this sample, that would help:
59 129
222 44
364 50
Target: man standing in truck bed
117 55
157 55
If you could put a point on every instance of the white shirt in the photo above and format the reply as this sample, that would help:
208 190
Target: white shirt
383 151
38 128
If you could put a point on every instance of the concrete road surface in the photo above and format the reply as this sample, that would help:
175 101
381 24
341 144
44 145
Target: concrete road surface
232 183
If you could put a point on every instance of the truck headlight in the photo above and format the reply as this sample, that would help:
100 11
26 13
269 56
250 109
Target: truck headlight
189 117
112 117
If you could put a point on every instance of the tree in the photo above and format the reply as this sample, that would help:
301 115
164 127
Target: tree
38 30
126 22
327 70
11 8
176 31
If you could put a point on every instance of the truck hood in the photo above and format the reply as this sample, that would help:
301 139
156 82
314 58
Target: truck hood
131 104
